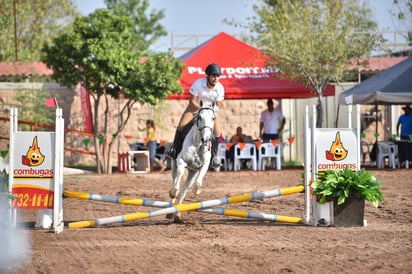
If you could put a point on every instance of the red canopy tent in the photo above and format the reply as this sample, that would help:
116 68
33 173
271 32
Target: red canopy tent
246 72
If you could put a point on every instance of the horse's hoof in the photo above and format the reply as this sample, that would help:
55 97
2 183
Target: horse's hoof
197 190
173 193
170 216
177 220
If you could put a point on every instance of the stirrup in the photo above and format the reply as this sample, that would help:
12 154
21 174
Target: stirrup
172 153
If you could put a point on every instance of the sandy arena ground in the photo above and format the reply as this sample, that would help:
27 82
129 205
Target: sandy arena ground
208 243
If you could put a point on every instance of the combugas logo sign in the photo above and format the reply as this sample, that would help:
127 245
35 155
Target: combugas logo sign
33 170
33 156
30 157
337 151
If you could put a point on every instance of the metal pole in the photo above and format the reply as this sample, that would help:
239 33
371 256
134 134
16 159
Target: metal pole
15 32
118 126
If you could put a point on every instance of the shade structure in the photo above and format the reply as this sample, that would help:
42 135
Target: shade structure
246 71
390 87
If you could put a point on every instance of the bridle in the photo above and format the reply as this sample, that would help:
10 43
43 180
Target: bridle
197 118
201 128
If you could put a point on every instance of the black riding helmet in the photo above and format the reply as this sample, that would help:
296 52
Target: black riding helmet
213 69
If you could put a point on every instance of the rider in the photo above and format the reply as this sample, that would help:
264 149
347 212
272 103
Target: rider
206 89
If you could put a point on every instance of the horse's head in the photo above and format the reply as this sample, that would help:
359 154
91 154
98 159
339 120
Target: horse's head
205 121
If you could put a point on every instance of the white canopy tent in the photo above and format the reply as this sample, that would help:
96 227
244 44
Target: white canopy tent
390 87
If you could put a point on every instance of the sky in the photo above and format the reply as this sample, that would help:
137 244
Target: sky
187 18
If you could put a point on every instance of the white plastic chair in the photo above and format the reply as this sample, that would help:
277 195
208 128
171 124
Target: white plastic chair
386 150
221 156
395 155
247 153
267 151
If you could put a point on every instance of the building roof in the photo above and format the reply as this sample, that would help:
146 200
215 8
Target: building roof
376 64
8 69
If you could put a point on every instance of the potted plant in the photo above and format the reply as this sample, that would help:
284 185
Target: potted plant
348 190
4 187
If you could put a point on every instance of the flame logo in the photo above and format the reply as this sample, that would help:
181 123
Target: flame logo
33 156
336 152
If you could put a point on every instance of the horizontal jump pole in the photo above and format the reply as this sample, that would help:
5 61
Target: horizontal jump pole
161 204
115 199
251 215
187 207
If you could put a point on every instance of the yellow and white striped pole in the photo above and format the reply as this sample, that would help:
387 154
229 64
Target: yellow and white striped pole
161 204
188 207
116 199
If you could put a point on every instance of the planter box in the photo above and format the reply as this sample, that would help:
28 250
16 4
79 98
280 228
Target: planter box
350 213
139 161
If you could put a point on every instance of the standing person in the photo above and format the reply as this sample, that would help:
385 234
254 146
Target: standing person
272 122
405 123
152 145
206 89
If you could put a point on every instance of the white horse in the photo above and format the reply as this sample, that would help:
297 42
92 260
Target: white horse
194 157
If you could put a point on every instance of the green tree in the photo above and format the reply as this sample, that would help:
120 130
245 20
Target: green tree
312 41
147 27
37 21
100 52
401 16
31 104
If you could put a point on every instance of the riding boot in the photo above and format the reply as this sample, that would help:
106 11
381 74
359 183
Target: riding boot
177 144
215 163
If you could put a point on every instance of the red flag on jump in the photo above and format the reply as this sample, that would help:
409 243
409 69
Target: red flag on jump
51 102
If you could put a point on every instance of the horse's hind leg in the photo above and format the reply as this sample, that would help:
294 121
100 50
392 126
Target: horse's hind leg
177 175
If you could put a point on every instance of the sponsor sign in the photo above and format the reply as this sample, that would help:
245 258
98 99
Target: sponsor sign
237 72
33 170
336 149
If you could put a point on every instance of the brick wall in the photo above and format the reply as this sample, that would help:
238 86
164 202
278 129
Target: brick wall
244 113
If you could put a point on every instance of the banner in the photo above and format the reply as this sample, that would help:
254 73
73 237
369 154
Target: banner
86 110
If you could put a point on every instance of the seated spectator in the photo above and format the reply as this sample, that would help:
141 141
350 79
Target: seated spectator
239 137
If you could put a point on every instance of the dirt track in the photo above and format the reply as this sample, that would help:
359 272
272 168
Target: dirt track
208 243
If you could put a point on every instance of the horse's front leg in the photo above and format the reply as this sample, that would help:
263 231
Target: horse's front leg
182 194
201 175
188 184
